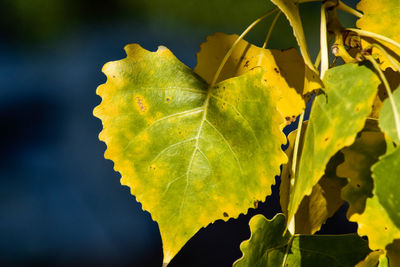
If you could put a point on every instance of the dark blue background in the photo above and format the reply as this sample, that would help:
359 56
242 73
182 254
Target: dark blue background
61 201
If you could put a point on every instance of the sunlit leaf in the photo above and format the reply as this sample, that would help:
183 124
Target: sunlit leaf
190 154
270 246
376 224
325 198
334 122
359 158
386 117
381 17
284 68
291 10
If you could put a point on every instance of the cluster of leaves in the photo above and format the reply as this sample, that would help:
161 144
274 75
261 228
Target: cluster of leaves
196 146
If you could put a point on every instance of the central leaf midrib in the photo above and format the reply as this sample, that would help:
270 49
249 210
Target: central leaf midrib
196 146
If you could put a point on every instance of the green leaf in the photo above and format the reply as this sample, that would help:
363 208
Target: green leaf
386 117
190 154
269 245
325 198
381 17
387 187
291 10
334 122
359 158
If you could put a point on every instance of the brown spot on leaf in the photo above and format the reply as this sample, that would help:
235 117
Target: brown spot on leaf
255 204
276 70
168 99
326 139
225 214
141 104
246 65
358 185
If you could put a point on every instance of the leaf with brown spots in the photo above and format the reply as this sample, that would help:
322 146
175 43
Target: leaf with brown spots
359 158
336 118
325 198
191 154
285 69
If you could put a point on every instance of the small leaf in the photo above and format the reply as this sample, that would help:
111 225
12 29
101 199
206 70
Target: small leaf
381 17
279 66
270 246
334 122
325 198
291 10
386 117
359 158
190 154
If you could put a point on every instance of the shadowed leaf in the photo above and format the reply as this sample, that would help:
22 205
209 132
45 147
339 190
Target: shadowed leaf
270 246
359 158
190 154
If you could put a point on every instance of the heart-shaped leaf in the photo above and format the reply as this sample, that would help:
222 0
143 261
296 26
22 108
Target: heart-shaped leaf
278 65
191 154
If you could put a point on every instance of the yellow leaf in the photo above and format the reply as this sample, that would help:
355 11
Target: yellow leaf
381 17
291 10
285 70
376 224
191 153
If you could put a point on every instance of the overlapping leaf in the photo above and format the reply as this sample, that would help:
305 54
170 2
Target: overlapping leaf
291 10
190 154
387 119
334 122
270 246
381 219
285 69
359 158
381 17
325 198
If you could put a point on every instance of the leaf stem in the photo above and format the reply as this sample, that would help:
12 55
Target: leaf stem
227 55
318 60
271 28
342 6
324 42
389 57
374 36
389 92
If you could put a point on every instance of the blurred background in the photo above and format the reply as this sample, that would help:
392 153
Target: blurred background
61 203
